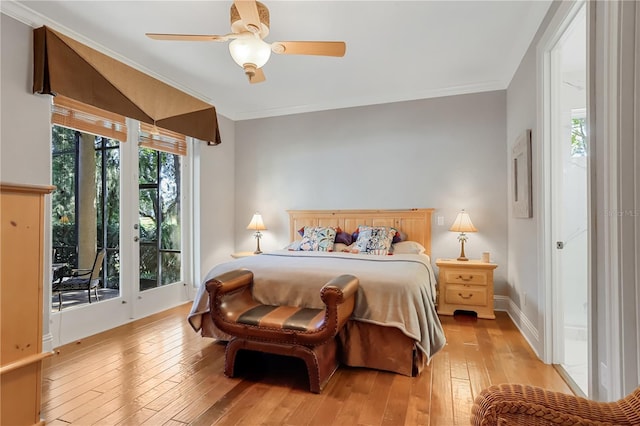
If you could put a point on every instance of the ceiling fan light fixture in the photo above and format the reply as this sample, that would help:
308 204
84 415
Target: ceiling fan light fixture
250 51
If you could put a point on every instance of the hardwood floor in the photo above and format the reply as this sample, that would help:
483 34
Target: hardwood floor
158 371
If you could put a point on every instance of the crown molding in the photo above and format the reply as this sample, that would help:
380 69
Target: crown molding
487 86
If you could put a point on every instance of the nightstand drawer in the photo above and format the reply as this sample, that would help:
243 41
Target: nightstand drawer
461 276
466 295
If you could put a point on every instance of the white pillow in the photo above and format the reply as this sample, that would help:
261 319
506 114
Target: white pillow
407 247
339 247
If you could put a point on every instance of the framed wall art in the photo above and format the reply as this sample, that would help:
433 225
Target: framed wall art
522 197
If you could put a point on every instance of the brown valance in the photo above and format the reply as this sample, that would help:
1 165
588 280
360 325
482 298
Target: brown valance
65 66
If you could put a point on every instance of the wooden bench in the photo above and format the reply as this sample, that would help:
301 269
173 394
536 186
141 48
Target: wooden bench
305 333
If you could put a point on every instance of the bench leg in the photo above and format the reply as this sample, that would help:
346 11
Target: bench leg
321 361
322 364
233 346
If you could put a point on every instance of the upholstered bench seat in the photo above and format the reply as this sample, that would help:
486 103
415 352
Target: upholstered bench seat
306 333
283 317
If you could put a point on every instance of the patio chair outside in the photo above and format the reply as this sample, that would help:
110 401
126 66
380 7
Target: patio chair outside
81 280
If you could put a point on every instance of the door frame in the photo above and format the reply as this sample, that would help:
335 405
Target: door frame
74 324
563 17
144 303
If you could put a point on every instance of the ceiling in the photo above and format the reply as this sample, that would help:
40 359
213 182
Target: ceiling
396 50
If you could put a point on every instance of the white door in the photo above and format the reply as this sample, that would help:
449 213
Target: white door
135 287
569 203
160 222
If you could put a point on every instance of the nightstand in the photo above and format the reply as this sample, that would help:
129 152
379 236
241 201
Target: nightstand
465 285
240 254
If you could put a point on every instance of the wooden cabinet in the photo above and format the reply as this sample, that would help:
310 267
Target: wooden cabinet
21 273
465 285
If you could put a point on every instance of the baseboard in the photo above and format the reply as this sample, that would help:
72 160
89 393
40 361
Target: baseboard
526 327
47 342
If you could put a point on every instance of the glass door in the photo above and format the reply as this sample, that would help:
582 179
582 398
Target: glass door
160 204
129 198
159 218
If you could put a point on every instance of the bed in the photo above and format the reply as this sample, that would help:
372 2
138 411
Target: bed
394 326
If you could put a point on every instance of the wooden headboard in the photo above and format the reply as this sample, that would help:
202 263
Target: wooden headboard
416 223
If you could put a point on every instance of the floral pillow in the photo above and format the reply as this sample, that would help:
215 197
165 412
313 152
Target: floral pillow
374 239
317 238
341 236
399 236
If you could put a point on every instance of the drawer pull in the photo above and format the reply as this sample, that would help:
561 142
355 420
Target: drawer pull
465 297
460 277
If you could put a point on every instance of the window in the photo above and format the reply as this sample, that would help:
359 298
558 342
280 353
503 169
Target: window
578 136
159 202
85 162
73 217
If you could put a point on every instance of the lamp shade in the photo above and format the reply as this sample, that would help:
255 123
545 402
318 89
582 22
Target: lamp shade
463 223
256 223
250 51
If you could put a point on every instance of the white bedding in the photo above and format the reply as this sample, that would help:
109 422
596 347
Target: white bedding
395 291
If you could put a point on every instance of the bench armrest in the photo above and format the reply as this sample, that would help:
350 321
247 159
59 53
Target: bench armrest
339 289
230 281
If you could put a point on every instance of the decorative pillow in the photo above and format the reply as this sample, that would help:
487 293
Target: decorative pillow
318 238
294 246
407 247
400 236
343 237
374 239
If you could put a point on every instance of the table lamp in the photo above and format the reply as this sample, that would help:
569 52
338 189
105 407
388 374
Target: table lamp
257 225
462 224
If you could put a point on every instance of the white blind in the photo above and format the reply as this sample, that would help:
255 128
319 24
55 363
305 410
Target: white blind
86 118
162 139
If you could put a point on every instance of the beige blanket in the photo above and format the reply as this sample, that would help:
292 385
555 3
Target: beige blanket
395 291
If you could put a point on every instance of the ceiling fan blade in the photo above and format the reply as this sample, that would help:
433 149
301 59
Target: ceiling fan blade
188 37
320 48
258 77
248 11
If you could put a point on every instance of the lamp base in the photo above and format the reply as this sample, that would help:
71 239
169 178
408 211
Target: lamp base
258 235
462 257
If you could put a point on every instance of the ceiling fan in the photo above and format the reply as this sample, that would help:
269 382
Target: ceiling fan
249 26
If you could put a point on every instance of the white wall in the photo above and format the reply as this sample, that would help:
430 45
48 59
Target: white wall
25 130
217 219
25 139
525 275
447 153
